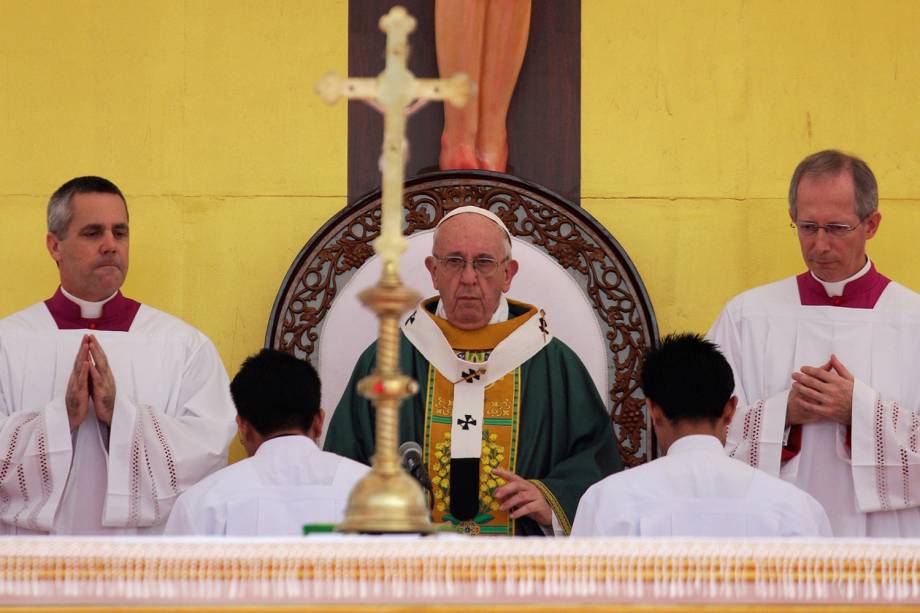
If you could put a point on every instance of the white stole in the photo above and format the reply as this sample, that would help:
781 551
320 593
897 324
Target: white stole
469 397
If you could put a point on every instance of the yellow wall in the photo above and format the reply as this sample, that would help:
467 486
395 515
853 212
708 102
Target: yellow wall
694 115
202 111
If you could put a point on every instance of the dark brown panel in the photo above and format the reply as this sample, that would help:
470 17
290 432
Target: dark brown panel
544 120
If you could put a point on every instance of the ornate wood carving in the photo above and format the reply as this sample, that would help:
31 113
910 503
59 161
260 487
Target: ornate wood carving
566 232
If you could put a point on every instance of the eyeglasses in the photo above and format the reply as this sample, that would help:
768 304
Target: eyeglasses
483 266
810 228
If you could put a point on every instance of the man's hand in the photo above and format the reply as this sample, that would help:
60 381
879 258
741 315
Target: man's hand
522 498
103 382
76 398
821 393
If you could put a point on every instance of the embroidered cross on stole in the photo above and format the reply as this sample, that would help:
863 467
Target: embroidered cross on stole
472 408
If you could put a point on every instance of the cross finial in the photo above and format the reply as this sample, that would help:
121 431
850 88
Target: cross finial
392 92
398 23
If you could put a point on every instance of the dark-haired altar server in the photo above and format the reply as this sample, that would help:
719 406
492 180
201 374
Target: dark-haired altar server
696 489
287 481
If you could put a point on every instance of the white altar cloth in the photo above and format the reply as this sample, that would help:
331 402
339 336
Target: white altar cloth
350 570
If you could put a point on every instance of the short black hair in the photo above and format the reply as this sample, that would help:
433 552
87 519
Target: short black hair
60 208
688 377
275 391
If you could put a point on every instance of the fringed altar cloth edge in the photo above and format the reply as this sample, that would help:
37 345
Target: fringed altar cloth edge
498 571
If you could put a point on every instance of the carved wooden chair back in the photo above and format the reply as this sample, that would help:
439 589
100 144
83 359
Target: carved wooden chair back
569 265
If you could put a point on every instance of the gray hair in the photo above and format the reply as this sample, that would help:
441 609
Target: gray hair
60 207
833 162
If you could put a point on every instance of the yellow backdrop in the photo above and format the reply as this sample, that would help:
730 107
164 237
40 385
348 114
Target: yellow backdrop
694 114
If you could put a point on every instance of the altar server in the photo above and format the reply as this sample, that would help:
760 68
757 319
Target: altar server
287 481
109 408
826 362
696 489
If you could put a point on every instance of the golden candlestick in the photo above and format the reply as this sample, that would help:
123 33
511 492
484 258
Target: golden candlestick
388 499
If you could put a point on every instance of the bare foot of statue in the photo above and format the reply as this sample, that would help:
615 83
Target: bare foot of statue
495 159
456 156
487 41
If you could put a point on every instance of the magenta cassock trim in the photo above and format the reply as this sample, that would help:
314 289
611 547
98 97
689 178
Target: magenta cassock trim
117 314
862 293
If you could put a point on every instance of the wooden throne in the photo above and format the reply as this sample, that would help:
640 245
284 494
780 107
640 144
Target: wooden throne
570 266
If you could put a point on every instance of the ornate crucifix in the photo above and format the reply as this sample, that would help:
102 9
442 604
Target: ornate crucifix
387 499
395 91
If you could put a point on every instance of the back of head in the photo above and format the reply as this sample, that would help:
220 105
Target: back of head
60 209
274 392
688 377
832 163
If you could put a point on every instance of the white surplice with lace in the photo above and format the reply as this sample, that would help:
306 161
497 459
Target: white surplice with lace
172 424
871 486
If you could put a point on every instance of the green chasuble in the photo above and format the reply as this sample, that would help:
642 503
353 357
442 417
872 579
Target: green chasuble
544 421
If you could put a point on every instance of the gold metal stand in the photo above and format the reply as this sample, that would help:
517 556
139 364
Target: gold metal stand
388 499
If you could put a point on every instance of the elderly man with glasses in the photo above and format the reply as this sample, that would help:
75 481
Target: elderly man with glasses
825 362
512 428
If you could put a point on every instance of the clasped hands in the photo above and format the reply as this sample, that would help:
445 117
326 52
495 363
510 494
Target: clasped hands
91 377
821 393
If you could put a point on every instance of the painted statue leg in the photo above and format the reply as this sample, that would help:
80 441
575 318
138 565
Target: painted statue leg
507 26
459 31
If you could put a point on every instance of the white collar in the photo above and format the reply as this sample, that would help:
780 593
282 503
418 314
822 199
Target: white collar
835 288
88 310
695 442
500 315
288 440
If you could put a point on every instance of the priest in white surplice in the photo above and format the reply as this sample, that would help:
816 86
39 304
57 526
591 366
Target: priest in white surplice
108 408
696 489
826 362
287 481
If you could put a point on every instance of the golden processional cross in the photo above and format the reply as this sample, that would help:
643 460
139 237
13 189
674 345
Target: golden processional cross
387 499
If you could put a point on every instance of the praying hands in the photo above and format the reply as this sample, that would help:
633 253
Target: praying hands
821 393
91 377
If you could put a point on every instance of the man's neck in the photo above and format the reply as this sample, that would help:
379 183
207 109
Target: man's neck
688 428
500 314
294 432
88 308
835 288
695 442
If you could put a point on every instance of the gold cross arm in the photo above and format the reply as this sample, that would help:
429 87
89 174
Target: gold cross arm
455 90
392 92
395 87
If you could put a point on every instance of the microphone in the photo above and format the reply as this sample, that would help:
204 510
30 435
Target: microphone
410 454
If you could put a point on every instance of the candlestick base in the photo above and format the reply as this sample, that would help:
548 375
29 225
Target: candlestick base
387 504
387 500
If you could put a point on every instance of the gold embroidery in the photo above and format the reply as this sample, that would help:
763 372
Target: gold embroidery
442 406
486 337
498 409
554 504
498 451
468 527
500 430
